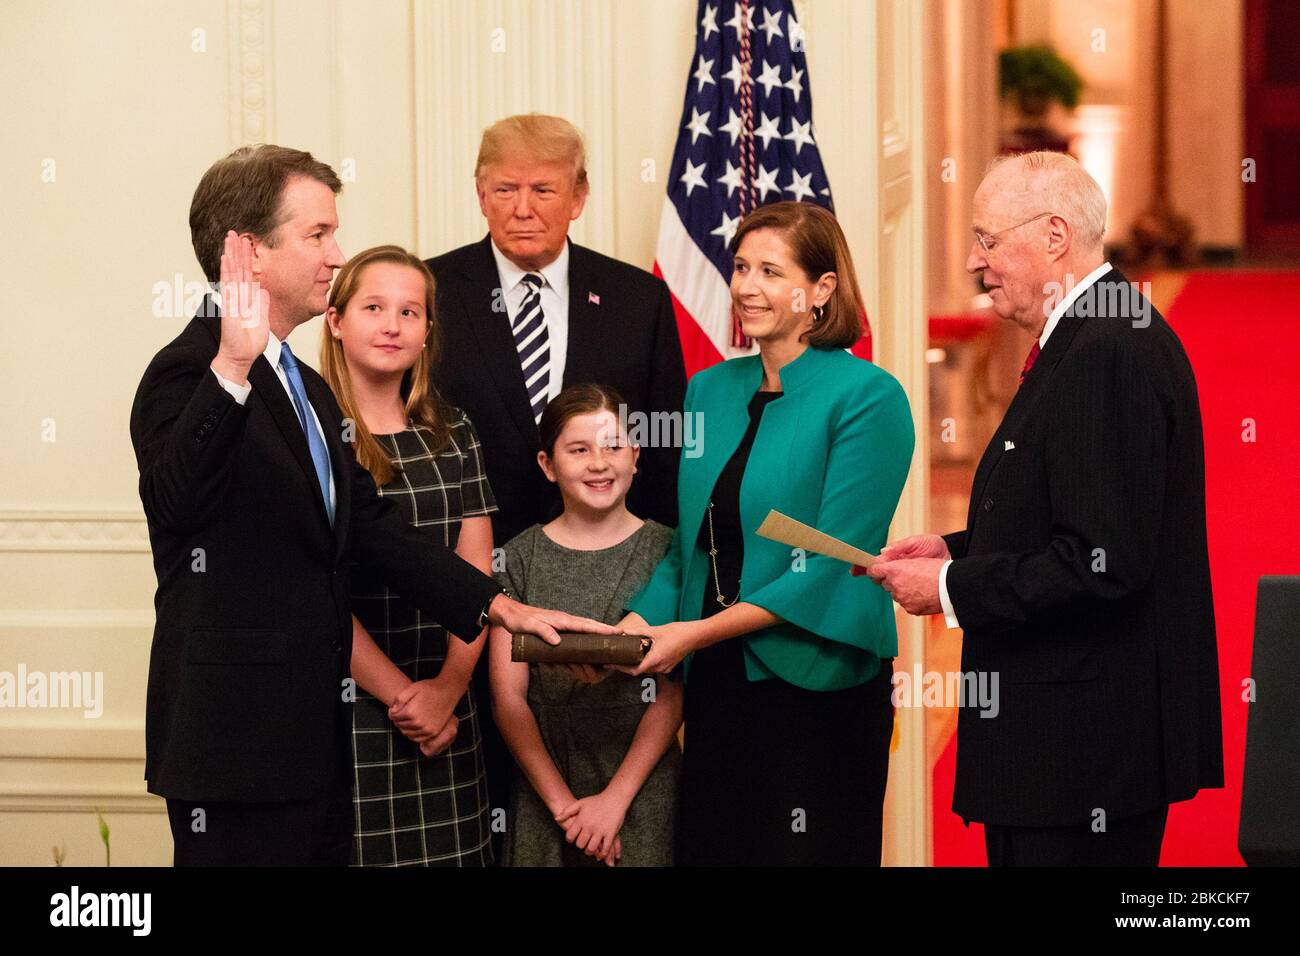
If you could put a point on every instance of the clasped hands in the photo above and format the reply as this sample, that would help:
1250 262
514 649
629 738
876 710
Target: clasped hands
424 711
909 570
592 824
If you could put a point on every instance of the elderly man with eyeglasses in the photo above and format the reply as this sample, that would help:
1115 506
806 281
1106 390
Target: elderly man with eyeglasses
1082 578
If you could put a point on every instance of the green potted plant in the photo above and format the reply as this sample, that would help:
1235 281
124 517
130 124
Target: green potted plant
1034 77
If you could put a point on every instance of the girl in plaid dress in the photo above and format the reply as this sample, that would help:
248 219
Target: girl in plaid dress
420 793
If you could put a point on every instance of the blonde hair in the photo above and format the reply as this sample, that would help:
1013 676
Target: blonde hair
423 404
1057 180
546 139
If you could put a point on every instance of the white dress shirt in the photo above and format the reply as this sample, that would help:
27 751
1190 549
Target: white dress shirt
950 615
555 305
241 393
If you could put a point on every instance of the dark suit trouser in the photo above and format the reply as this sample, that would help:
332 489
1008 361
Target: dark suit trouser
1133 841
293 833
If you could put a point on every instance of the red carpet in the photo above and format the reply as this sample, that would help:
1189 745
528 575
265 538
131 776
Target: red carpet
1241 331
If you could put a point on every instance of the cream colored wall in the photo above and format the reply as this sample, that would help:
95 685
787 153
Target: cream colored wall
393 93
112 96
961 138
1207 103
1205 108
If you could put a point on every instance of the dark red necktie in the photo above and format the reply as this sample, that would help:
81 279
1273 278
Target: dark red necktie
1029 362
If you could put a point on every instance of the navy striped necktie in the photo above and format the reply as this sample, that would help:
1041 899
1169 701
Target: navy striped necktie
533 345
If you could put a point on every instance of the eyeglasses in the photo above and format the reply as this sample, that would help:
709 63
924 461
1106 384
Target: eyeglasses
989 243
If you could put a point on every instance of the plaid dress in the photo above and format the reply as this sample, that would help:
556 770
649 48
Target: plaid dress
413 810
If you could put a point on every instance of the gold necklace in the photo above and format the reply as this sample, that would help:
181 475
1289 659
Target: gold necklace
713 558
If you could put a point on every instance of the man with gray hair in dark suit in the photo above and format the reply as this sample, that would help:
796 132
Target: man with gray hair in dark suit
1082 578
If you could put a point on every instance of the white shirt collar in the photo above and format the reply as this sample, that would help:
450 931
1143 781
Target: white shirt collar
272 350
556 273
1068 300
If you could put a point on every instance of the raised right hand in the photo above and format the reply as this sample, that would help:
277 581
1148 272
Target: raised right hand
245 308
917 546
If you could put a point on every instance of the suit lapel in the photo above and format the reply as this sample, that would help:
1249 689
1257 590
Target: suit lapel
495 340
267 387
1025 400
585 319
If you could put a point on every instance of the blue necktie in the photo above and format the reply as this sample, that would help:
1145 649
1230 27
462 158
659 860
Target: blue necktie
320 456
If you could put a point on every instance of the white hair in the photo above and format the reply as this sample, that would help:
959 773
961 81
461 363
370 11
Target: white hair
1063 187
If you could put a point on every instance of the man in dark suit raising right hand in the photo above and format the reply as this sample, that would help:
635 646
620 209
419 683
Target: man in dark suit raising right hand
257 510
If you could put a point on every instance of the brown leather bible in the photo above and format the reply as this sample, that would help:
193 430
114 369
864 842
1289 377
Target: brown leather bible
581 648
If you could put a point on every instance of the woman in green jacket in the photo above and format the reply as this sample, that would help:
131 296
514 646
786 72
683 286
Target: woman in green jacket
787 657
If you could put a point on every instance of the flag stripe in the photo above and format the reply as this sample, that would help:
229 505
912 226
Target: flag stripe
695 282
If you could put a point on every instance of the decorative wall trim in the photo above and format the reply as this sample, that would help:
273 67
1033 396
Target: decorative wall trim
92 619
865 65
53 768
901 187
73 799
249 24
73 531
64 743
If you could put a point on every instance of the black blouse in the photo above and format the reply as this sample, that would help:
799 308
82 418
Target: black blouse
728 535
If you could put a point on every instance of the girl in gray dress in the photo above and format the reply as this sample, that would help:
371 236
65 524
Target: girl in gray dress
597 749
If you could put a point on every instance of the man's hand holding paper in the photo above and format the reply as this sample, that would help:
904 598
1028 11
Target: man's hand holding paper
908 569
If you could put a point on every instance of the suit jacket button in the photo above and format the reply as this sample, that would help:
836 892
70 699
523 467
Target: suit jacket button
988 504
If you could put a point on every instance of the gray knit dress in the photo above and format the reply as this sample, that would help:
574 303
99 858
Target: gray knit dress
588 728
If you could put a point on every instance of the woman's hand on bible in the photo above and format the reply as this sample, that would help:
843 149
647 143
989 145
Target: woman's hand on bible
671 643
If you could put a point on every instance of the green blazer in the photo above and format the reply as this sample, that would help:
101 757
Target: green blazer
832 452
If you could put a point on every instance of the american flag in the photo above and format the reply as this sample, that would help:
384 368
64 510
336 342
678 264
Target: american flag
746 140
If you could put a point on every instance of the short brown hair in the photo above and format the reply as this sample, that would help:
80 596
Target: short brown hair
818 245
242 192
546 139
573 401
424 406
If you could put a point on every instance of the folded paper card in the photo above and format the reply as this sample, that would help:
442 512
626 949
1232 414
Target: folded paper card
783 528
